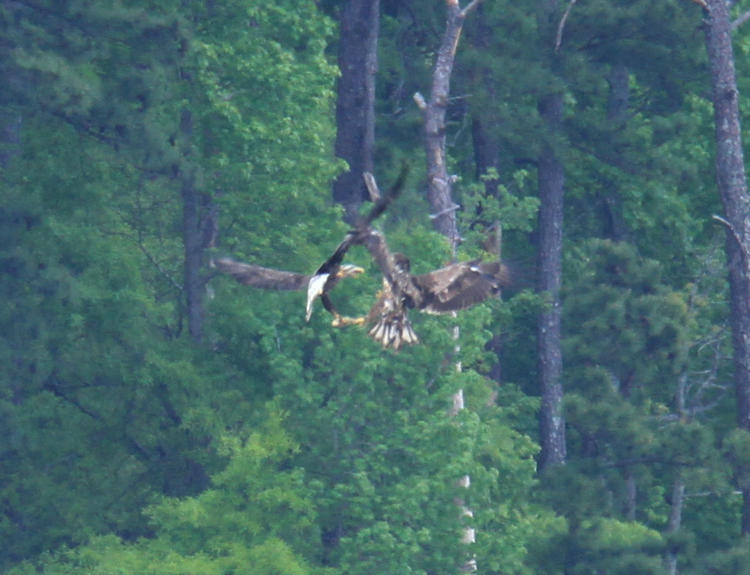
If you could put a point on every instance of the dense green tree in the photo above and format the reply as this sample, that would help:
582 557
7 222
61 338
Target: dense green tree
256 517
105 405
162 419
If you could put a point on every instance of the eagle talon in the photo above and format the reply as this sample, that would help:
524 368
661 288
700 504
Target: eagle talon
342 321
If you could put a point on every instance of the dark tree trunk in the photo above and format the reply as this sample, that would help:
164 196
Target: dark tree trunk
198 230
549 279
730 175
485 128
617 113
549 261
485 131
10 137
355 104
486 150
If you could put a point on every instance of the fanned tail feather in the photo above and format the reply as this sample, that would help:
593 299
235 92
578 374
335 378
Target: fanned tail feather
393 331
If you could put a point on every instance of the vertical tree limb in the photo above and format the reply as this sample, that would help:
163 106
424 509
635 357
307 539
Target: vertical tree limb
191 234
551 181
355 102
732 184
439 185
439 182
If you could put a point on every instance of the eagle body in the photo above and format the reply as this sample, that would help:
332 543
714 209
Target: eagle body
390 322
451 288
460 285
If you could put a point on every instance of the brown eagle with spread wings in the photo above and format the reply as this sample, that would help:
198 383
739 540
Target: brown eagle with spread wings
451 288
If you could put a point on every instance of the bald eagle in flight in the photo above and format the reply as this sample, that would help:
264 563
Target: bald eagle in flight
451 288
326 277
318 285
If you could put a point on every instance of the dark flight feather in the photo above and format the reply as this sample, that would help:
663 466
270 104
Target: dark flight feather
260 277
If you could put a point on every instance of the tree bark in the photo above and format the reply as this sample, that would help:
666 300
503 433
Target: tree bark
10 137
439 183
198 230
355 103
551 181
439 189
675 521
617 113
732 184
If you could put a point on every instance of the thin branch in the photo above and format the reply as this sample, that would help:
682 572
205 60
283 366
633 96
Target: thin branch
735 235
561 26
53 387
469 7
740 20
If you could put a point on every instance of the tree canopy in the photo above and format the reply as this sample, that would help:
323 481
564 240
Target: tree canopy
160 418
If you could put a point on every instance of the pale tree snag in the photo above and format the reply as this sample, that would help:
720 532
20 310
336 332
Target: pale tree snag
440 183
677 498
732 184
355 102
561 25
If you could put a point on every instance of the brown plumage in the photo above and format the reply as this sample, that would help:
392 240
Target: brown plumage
461 285
448 289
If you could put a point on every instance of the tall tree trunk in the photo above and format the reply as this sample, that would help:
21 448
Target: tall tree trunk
10 136
551 182
732 184
485 130
617 113
193 231
439 191
439 183
355 103
485 127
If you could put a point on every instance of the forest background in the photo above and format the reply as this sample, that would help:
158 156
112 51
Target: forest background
158 418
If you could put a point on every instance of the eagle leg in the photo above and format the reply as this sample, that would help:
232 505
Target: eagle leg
342 320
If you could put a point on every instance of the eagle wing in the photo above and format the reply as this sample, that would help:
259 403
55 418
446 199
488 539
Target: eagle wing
362 227
460 285
260 277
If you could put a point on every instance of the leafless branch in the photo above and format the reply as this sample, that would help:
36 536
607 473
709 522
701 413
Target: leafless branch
735 235
561 26
740 20
470 6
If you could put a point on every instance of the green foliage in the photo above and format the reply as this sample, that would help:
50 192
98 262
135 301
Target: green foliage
257 517
286 447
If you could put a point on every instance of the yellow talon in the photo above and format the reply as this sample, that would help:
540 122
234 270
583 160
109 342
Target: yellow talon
341 321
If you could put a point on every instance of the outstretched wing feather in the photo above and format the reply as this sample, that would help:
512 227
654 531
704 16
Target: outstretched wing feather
461 285
261 277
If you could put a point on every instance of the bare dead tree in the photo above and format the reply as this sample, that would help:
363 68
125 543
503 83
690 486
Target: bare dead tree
440 183
732 186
